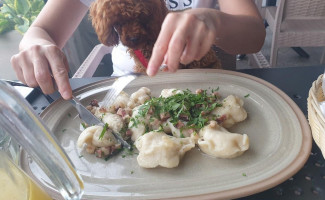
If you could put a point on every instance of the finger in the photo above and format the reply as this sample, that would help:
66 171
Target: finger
43 75
161 46
193 46
27 68
175 49
205 46
17 68
59 71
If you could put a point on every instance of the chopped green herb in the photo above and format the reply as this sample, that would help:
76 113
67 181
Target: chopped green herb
247 95
64 130
84 125
244 174
123 156
132 172
81 156
103 131
102 116
69 115
193 108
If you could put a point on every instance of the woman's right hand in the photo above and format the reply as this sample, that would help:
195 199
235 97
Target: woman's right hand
45 66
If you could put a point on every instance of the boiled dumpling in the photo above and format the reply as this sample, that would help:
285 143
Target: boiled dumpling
90 136
159 149
170 92
121 101
216 141
139 97
231 112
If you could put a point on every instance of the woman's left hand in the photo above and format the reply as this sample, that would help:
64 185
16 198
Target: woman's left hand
184 37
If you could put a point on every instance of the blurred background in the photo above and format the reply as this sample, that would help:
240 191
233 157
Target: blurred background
84 39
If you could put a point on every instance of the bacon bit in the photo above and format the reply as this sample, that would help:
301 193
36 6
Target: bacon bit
221 119
102 109
217 95
183 117
204 113
121 112
179 124
155 123
190 131
164 116
150 111
98 153
94 102
128 133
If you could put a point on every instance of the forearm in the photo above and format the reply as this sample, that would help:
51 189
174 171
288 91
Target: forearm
239 33
35 36
55 23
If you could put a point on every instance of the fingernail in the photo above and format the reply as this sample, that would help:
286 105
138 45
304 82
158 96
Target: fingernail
66 95
149 72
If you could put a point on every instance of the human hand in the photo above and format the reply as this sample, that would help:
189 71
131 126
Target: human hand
45 66
184 37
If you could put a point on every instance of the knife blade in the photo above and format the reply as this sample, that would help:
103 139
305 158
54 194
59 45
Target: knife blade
91 119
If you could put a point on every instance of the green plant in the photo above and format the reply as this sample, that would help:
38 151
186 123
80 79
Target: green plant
18 14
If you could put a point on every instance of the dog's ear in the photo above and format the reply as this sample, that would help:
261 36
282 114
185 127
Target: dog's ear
103 22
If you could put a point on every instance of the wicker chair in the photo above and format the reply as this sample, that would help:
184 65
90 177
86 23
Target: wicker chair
294 23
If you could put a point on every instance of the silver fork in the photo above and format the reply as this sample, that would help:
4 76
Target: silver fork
119 84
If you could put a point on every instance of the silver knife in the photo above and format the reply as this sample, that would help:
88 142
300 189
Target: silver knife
91 119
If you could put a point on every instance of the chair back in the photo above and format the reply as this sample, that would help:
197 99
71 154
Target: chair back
303 9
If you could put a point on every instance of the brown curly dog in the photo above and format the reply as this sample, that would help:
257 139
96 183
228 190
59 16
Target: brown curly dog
137 23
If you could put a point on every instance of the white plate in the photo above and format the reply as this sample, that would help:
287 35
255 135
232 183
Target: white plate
280 143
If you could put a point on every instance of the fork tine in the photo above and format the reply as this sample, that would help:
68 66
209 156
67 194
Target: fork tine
117 88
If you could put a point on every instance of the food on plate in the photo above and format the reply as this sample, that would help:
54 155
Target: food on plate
159 149
218 142
164 128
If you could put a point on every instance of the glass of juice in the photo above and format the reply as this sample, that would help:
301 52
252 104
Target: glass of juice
23 125
14 183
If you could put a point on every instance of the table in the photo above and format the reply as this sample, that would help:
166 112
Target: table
309 182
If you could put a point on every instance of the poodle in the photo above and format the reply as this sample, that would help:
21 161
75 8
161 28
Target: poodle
137 23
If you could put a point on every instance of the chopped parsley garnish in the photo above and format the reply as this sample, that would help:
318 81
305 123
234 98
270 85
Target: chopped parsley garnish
103 131
69 115
84 125
132 172
192 108
81 156
247 95
244 174
64 130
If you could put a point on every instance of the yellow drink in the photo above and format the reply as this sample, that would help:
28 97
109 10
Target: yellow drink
16 185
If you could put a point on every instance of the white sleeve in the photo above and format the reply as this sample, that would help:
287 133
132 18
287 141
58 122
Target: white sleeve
87 2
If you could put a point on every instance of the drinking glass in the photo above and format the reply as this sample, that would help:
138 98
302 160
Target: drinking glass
14 183
19 120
